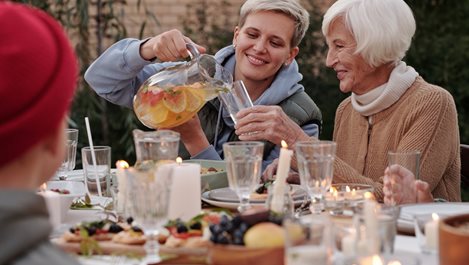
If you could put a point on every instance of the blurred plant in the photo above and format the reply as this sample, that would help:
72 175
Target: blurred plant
110 124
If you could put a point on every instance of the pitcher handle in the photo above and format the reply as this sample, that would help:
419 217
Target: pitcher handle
193 52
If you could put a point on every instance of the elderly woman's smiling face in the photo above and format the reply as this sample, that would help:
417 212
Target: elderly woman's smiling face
354 73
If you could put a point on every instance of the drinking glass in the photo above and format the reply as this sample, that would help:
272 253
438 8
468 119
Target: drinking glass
244 168
315 166
98 171
308 240
68 163
150 193
407 159
155 145
236 99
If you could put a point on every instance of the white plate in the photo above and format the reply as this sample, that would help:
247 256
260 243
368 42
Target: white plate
405 222
228 195
234 205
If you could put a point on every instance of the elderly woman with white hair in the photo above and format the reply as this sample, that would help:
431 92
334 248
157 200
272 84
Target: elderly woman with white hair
391 107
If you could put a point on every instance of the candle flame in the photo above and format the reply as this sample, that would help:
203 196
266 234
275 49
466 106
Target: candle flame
43 187
332 190
347 188
179 160
435 217
369 196
122 164
376 260
284 144
394 262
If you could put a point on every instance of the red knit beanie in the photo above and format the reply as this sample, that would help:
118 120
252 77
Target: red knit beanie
38 73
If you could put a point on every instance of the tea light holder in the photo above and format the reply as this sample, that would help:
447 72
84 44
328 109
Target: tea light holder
343 198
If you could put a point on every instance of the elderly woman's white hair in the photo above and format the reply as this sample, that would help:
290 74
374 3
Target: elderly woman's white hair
383 29
291 8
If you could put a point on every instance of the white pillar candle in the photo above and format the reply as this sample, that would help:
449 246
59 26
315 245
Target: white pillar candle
371 224
282 174
121 166
53 206
306 255
185 200
431 232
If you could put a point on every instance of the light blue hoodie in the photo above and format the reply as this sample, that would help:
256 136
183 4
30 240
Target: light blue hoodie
119 72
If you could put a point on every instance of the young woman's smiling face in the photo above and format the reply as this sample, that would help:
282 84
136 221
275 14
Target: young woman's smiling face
263 45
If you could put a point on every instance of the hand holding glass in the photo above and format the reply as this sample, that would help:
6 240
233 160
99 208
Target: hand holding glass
410 161
236 99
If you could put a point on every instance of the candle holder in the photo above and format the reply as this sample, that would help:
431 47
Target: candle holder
344 198
426 231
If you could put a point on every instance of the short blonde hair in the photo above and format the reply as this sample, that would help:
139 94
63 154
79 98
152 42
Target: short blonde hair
383 29
291 8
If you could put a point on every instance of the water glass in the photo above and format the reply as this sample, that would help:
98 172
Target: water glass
155 145
97 169
236 99
407 159
386 218
244 168
68 163
315 166
150 193
308 241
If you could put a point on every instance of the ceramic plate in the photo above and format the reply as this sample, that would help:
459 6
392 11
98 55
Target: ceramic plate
228 202
212 180
228 195
405 222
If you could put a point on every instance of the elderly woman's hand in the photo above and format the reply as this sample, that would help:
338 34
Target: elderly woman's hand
400 187
267 123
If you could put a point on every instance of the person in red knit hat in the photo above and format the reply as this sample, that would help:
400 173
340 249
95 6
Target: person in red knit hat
38 73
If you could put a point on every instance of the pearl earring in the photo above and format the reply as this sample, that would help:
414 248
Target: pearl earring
234 45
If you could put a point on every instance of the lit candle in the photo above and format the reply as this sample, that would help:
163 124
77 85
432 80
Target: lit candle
282 174
121 166
53 204
185 197
431 232
373 260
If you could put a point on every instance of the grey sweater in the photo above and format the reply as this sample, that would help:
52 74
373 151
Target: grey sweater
25 229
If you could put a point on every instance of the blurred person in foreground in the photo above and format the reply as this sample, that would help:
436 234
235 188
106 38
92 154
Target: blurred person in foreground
38 72
391 107
262 55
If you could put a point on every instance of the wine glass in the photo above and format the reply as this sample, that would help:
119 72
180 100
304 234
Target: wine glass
243 167
315 165
68 163
150 192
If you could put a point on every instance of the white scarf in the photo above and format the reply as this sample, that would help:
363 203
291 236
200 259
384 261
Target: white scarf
382 97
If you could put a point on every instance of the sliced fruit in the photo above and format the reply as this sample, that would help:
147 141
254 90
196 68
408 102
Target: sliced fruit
194 99
175 100
159 113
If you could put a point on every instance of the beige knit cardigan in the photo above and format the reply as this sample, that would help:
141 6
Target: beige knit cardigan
423 119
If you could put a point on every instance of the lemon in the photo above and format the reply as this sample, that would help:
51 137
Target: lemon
194 99
158 113
175 100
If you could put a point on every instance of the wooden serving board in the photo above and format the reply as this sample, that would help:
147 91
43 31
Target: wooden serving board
175 255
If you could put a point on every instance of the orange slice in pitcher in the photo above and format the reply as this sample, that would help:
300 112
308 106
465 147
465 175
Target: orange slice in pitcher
194 99
175 100
159 113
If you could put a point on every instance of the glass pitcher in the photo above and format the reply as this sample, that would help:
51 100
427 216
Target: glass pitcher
155 146
174 95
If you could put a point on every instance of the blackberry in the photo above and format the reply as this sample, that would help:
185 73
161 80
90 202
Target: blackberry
181 228
130 220
115 228
196 226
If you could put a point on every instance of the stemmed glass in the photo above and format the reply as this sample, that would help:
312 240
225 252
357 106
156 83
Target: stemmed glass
315 165
243 166
150 200
68 163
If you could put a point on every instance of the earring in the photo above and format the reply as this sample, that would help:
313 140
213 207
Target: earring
286 64
234 45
